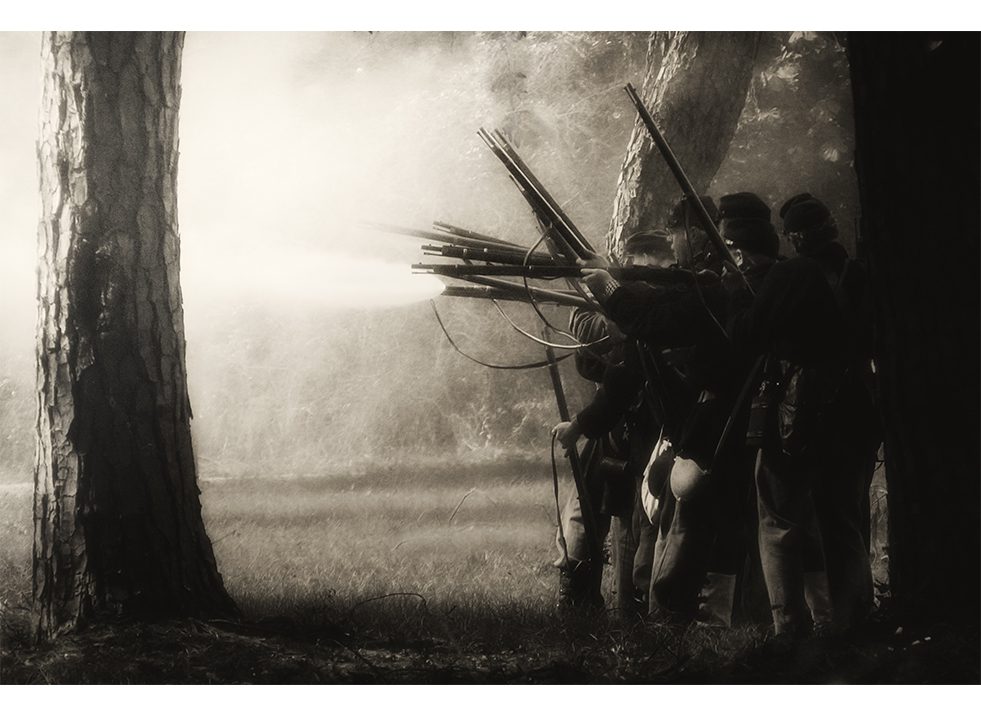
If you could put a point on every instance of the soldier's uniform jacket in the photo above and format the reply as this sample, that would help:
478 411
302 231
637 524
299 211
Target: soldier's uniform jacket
854 409
686 323
796 322
793 316
619 405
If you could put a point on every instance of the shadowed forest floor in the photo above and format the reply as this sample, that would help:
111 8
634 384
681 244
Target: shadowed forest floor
422 576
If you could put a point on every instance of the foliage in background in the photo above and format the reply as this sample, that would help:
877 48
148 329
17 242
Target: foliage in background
796 133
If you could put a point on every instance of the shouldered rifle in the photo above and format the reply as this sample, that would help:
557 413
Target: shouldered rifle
686 186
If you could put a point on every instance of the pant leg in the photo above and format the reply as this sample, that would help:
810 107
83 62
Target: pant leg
735 515
624 542
842 504
681 555
572 534
580 580
634 537
732 525
646 533
573 527
620 494
752 602
790 541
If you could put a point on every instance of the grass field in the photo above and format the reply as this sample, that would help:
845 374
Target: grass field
340 541
457 538
400 574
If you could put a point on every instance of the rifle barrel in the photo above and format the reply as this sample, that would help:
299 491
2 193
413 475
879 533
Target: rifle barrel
538 292
542 207
488 292
650 274
481 292
500 256
467 234
532 272
444 238
583 248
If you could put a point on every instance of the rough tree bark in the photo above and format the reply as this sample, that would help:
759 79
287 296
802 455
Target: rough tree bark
695 87
917 149
117 516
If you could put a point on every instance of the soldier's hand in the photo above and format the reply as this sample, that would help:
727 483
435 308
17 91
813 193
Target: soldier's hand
567 433
596 279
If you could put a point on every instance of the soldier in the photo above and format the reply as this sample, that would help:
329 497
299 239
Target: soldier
848 455
623 418
687 322
794 321
734 582
580 578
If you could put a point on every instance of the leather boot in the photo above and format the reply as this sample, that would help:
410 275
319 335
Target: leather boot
579 586
716 600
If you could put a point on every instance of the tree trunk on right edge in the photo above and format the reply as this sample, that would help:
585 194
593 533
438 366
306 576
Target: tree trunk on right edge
695 88
917 149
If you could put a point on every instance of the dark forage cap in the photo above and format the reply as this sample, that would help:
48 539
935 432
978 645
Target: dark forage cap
804 213
808 223
651 241
743 205
676 219
745 224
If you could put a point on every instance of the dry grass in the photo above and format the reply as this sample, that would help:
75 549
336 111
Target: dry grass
284 545
459 547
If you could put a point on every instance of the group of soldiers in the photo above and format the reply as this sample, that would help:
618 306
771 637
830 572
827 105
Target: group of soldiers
732 437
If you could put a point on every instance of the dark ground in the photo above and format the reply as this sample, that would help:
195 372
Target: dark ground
503 649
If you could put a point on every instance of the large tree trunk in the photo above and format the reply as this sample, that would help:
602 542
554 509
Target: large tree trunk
696 89
917 149
118 526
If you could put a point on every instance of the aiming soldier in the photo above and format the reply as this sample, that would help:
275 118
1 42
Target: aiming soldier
703 534
674 318
623 418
